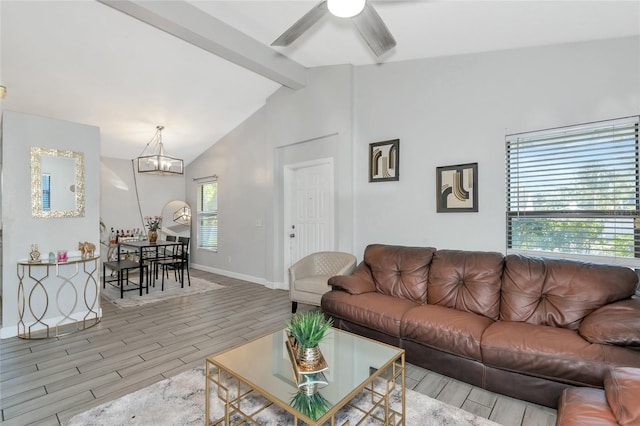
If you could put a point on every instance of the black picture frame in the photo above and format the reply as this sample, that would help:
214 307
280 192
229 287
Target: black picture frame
384 161
457 188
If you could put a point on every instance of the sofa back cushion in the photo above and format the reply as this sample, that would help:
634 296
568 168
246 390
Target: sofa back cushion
467 281
400 271
560 293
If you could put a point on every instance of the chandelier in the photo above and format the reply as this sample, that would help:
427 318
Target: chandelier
155 161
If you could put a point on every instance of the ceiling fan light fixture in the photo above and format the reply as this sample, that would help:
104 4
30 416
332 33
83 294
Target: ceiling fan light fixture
345 8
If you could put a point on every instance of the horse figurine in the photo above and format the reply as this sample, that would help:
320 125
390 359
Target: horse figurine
87 249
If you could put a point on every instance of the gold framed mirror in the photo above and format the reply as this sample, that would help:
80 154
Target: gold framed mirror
176 218
57 183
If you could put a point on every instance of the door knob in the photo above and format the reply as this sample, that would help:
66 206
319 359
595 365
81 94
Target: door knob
292 235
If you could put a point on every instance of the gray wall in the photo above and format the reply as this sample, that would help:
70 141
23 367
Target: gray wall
249 163
20 229
445 111
243 181
457 110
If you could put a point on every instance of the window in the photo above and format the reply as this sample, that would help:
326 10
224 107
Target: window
46 192
574 191
208 215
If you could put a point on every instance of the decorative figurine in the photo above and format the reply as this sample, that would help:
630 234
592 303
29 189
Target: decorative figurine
62 256
34 256
52 257
87 249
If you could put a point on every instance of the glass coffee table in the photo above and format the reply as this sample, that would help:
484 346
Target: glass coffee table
364 377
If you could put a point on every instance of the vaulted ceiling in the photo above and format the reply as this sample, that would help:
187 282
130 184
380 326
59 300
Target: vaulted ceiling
87 62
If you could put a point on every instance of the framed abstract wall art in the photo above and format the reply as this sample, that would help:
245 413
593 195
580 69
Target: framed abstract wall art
384 161
457 188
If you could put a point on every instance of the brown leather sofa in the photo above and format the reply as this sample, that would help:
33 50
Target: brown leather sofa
522 326
616 404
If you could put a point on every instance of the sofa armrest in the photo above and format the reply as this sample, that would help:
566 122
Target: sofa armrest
302 268
622 387
613 324
352 284
584 406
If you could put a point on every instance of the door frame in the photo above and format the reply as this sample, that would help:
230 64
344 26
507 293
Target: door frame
288 170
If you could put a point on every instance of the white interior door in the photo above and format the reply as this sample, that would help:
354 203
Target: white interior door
309 210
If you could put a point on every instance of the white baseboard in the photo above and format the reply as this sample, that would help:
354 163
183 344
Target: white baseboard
250 278
279 286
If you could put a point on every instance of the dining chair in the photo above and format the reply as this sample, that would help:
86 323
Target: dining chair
178 262
164 250
121 270
163 254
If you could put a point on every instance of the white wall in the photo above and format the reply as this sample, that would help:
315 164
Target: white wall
20 229
249 162
119 202
456 110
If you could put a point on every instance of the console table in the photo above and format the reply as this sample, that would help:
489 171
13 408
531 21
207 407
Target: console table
58 298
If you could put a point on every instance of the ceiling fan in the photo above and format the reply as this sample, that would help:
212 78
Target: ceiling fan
371 27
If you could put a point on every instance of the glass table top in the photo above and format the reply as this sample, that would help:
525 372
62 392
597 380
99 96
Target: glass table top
265 364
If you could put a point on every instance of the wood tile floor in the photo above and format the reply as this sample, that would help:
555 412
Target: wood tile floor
45 382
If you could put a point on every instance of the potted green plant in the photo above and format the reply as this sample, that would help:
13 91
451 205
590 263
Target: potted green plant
308 329
310 403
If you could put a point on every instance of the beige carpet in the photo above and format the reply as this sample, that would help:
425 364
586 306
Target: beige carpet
171 290
180 401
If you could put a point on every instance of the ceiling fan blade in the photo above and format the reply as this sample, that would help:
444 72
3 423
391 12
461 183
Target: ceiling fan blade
374 31
302 25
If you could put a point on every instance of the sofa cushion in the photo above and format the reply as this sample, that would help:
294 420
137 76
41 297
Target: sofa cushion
560 293
373 310
551 352
400 271
622 389
614 324
312 284
584 407
449 330
467 281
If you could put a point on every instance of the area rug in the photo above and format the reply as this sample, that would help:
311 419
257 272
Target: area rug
171 290
180 401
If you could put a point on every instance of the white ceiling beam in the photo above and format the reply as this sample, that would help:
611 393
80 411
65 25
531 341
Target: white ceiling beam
194 26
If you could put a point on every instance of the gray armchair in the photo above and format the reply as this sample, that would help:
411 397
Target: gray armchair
308 277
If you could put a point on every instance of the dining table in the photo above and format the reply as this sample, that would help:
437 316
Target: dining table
151 252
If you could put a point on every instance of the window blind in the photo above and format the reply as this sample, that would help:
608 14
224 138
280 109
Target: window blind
573 191
208 215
